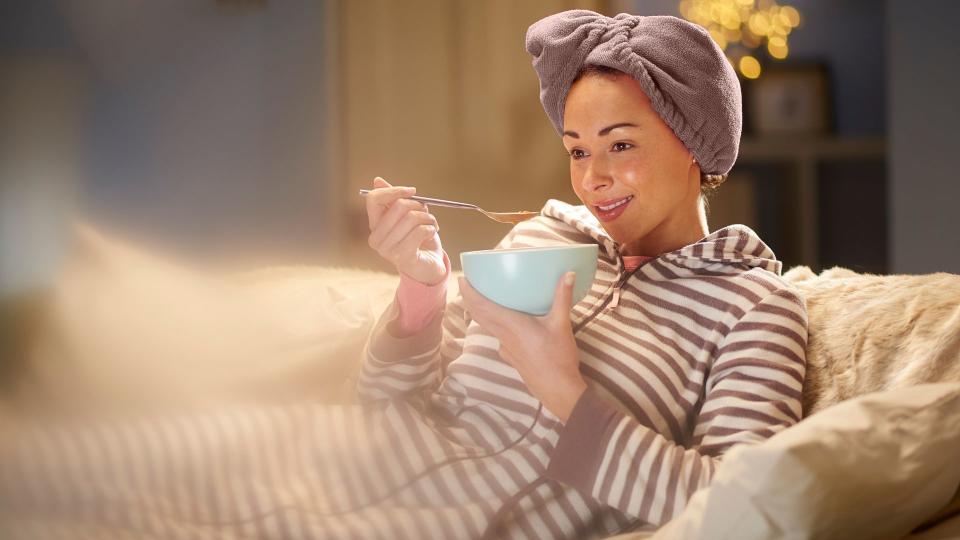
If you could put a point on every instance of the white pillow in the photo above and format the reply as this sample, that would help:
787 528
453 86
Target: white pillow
875 466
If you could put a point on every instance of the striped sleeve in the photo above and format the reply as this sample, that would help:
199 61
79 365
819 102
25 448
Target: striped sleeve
755 384
395 366
752 392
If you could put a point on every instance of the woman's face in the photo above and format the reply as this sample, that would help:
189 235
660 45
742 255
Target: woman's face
629 168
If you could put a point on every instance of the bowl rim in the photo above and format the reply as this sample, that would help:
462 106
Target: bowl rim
525 249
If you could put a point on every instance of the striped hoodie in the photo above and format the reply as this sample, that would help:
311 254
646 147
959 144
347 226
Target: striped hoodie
693 352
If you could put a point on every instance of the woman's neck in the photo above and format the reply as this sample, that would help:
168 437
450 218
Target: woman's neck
671 236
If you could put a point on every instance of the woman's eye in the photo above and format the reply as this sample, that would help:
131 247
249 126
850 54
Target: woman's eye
576 153
621 146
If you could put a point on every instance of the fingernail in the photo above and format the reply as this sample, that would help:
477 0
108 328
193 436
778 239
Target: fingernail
568 278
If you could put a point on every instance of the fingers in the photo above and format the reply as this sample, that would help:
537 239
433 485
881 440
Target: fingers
399 219
403 251
491 315
511 328
475 305
409 246
402 230
563 297
381 197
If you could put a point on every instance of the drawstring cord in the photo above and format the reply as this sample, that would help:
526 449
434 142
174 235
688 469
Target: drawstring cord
511 503
398 489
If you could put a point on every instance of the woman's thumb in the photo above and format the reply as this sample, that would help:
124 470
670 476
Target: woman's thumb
563 297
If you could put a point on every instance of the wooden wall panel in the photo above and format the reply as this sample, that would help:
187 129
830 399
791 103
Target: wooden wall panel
441 95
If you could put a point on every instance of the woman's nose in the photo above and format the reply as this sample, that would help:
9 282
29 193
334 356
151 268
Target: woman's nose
597 175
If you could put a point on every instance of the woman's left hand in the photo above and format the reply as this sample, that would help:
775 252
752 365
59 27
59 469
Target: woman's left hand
542 349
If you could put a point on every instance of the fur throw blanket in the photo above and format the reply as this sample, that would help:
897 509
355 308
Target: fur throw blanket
870 332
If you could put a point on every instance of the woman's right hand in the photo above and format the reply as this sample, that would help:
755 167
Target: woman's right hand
405 233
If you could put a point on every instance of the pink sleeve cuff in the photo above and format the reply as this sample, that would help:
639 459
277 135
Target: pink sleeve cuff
420 303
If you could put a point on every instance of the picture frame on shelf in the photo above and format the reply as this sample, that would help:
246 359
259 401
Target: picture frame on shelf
790 99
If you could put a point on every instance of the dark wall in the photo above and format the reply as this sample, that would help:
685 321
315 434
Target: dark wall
849 36
924 143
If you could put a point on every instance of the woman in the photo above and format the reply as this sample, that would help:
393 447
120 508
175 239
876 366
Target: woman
688 343
478 421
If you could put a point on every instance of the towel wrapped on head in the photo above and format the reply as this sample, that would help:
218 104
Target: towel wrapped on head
683 72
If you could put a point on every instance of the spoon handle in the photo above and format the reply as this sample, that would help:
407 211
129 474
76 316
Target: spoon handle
436 202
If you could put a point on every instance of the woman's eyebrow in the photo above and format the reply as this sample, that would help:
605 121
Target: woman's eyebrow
602 132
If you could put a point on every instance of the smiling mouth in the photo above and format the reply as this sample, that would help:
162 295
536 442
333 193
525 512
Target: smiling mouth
609 207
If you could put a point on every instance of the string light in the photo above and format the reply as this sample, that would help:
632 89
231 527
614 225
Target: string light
742 26
749 66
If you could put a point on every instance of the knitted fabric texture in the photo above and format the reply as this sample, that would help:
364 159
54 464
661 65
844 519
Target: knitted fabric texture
683 72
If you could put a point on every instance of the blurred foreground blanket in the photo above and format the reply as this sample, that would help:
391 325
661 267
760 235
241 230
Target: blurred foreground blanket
126 333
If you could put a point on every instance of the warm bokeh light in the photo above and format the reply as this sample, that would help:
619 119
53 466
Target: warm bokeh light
791 14
759 24
740 27
749 67
777 47
719 37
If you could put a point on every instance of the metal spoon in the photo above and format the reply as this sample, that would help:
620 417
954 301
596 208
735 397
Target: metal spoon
503 217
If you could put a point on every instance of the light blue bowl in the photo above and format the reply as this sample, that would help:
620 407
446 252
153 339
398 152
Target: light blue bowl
525 279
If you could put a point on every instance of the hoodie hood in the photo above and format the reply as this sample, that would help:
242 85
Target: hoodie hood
735 247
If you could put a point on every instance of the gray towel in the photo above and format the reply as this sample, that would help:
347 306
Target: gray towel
688 79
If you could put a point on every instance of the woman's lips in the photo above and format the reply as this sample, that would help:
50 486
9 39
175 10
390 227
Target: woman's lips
611 210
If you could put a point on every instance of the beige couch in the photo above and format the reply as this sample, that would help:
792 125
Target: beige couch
125 331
